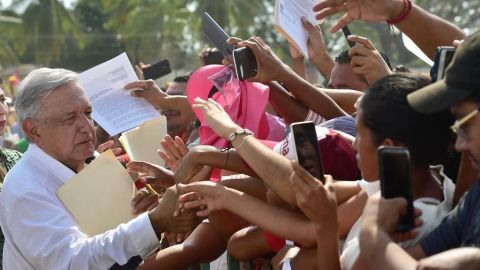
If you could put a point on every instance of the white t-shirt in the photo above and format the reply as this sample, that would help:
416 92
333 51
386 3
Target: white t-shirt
433 211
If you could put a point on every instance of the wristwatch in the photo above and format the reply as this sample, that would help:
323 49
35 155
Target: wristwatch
240 131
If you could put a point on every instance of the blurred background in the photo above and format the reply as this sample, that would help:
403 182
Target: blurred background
78 34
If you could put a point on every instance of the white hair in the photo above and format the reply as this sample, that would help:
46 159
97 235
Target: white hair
36 86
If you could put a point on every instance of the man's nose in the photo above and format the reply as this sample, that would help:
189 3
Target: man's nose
461 144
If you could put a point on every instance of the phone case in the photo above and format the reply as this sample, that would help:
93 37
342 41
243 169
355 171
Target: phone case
245 63
306 148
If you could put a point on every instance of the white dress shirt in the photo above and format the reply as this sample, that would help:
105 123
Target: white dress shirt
40 233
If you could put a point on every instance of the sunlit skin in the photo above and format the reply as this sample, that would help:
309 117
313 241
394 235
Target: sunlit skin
342 77
367 156
64 129
470 146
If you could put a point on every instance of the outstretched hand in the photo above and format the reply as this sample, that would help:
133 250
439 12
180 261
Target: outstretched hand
148 90
216 117
173 151
205 196
367 10
157 176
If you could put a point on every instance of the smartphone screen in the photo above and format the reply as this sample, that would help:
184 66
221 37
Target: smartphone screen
245 63
395 181
216 35
443 57
306 147
346 33
157 70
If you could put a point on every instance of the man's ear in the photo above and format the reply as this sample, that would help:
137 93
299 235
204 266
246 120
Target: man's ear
30 128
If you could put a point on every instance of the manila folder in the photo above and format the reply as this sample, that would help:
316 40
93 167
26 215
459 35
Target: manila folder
142 143
99 196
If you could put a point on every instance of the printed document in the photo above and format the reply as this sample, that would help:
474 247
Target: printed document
114 109
288 21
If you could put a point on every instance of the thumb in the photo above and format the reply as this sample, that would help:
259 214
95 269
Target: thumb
307 25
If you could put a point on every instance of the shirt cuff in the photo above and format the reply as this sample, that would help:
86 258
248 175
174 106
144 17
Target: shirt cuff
142 234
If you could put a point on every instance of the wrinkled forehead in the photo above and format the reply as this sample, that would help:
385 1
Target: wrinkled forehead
66 98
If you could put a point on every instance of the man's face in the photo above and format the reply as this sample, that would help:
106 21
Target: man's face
176 123
65 128
367 154
342 77
471 128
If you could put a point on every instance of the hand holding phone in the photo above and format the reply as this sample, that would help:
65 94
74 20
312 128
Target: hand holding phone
245 63
306 148
395 181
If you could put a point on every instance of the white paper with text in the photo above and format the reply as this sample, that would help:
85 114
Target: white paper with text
114 109
288 21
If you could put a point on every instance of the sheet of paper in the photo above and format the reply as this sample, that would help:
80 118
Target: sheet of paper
141 143
99 197
288 14
114 109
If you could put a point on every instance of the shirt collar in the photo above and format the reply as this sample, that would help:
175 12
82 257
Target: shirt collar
54 166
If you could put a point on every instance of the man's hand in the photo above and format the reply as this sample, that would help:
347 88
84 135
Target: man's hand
367 60
383 214
107 145
144 201
148 90
367 10
163 220
173 151
191 169
317 201
155 175
269 66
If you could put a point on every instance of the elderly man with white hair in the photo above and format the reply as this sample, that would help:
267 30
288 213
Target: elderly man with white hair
56 118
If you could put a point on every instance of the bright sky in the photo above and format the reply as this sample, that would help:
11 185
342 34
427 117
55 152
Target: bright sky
6 3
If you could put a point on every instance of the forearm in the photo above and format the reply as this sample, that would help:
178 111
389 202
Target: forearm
327 248
440 32
298 65
278 221
324 65
230 160
349 212
345 98
285 104
344 190
271 167
380 252
310 96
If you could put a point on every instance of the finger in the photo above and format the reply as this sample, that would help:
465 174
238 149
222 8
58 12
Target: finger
359 50
194 204
308 26
181 146
329 11
325 4
143 205
163 155
188 197
359 70
233 40
361 40
171 147
305 177
142 194
199 100
343 21
138 85
117 151
105 146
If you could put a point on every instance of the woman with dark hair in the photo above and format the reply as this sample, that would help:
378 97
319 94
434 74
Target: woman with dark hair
384 119
8 157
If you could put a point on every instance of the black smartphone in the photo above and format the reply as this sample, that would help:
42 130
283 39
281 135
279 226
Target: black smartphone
395 181
443 57
157 70
216 35
346 33
245 63
306 147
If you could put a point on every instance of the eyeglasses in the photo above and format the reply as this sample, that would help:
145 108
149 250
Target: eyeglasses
457 126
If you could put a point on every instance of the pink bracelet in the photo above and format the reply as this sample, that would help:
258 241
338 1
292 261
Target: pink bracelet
407 7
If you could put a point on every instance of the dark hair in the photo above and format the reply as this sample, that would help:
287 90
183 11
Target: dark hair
212 56
182 79
386 112
344 58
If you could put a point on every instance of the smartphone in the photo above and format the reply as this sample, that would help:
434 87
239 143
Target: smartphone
306 147
245 63
216 35
346 33
157 70
443 57
395 181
